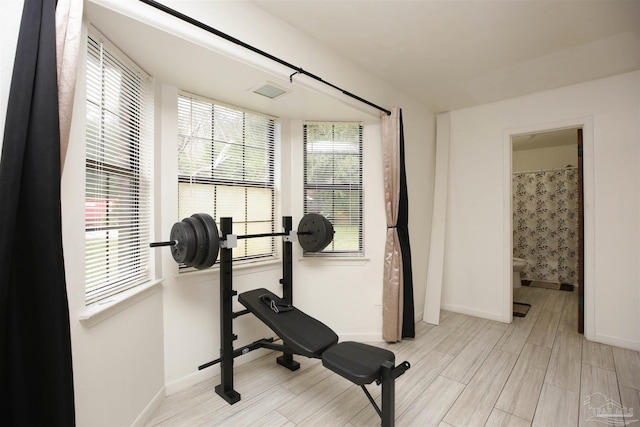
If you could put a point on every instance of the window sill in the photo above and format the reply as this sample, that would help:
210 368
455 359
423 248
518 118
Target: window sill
102 310
334 261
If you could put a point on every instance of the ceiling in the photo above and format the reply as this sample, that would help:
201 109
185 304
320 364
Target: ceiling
177 55
451 54
446 54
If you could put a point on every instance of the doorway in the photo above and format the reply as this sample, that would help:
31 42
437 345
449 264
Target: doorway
547 214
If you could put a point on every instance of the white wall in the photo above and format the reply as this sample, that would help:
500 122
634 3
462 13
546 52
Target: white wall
476 276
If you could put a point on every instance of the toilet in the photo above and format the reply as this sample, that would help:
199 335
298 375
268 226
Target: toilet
519 264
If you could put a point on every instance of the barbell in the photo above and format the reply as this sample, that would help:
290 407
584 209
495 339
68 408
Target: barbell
195 241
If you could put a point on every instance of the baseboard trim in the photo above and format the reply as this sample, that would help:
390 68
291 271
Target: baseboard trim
471 312
151 407
191 379
617 342
210 372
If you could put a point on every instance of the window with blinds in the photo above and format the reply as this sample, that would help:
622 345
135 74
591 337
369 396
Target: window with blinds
118 172
226 169
333 182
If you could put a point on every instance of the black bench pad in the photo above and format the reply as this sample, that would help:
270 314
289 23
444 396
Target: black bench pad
301 333
357 362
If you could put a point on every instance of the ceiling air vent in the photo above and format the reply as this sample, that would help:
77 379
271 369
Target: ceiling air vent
270 91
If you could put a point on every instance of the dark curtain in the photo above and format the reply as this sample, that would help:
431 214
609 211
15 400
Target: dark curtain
36 379
408 320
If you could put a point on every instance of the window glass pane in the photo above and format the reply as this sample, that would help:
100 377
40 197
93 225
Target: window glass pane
226 169
93 130
231 202
118 171
195 198
260 204
333 181
229 162
194 157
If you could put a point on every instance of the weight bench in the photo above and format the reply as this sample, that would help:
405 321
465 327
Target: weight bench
196 242
301 334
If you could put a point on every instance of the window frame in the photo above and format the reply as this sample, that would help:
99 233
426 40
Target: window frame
128 265
242 226
358 186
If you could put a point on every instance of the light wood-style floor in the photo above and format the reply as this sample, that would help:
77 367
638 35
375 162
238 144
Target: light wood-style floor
536 371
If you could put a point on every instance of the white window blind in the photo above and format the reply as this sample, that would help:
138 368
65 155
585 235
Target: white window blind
118 170
226 169
333 182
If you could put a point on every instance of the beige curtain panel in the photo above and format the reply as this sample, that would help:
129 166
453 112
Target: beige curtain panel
68 33
392 292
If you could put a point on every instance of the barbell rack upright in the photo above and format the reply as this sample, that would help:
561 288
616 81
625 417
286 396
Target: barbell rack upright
227 337
286 359
225 388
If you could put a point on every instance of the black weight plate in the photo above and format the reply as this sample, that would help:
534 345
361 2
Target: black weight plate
330 233
213 239
185 248
312 232
202 246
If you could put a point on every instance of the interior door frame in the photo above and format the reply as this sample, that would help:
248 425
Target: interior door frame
586 124
580 149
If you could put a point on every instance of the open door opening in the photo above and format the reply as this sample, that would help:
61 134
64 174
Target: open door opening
547 214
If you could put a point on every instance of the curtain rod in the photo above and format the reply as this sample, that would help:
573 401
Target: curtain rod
227 37
548 170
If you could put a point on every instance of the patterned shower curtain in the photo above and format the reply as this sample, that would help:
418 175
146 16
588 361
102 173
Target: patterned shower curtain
545 224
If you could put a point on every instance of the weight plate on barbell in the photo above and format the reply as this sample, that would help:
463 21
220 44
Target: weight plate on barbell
313 233
202 246
197 240
184 249
330 232
213 239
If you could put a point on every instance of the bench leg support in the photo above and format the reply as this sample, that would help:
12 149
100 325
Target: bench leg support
387 380
373 402
231 396
287 361
388 395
